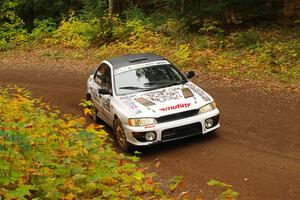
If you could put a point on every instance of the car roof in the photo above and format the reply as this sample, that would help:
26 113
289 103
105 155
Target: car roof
132 59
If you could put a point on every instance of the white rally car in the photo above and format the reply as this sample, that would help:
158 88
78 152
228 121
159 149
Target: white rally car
146 100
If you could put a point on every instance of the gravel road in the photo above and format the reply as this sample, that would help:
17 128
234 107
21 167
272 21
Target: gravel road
257 148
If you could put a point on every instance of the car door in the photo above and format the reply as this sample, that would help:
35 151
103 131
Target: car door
103 79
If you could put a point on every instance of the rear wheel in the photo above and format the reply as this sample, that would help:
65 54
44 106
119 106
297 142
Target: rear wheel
120 136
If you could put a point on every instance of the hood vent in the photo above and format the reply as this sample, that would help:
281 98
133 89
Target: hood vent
144 102
133 60
187 92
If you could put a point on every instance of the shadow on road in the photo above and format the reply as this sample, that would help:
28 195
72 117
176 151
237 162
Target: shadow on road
177 144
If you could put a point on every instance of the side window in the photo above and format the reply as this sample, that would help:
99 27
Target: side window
103 77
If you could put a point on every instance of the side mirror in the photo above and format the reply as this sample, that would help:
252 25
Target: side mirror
190 74
104 91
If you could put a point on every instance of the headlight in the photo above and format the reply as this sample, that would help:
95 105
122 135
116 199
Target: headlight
141 121
208 107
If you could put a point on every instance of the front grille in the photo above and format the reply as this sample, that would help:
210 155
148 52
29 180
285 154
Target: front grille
181 131
177 116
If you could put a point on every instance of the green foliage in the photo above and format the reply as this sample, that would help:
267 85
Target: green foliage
266 54
43 29
228 194
186 14
175 182
274 56
297 21
211 27
202 42
29 10
217 183
173 27
134 13
134 27
93 9
44 156
245 39
75 33
12 32
183 54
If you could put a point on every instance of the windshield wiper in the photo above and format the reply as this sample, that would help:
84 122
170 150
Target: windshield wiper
152 83
135 88
156 83
165 83
174 83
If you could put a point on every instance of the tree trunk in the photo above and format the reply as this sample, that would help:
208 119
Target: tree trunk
110 12
182 7
110 7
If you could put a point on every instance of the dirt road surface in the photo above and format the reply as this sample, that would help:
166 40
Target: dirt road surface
257 148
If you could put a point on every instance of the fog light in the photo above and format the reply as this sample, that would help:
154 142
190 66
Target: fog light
150 136
209 123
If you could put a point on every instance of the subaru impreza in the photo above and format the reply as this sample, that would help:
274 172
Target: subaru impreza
147 100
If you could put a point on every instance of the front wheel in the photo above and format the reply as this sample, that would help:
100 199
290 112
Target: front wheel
120 136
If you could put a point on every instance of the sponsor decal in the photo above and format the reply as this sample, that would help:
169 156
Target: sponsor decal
198 91
150 126
163 95
137 66
180 105
131 105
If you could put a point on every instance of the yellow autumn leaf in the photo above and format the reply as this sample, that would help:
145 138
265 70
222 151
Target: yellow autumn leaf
85 151
157 164
69 196
283 68
87 111
48 107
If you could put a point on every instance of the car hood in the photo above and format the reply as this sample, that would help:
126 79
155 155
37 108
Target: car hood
165 101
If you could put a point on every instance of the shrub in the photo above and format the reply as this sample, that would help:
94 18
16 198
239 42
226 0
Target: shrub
43 29
134 13
245 39
211 27
76 33
183 54
202 42
43 156
12 32
11 37
172 27
112 29
135 27
3 43
228 194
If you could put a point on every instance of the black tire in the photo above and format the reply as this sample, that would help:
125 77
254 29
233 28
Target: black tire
120 136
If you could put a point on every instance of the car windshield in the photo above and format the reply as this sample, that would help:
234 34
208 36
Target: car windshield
147 78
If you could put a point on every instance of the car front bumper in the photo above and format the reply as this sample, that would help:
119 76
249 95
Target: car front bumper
173 130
